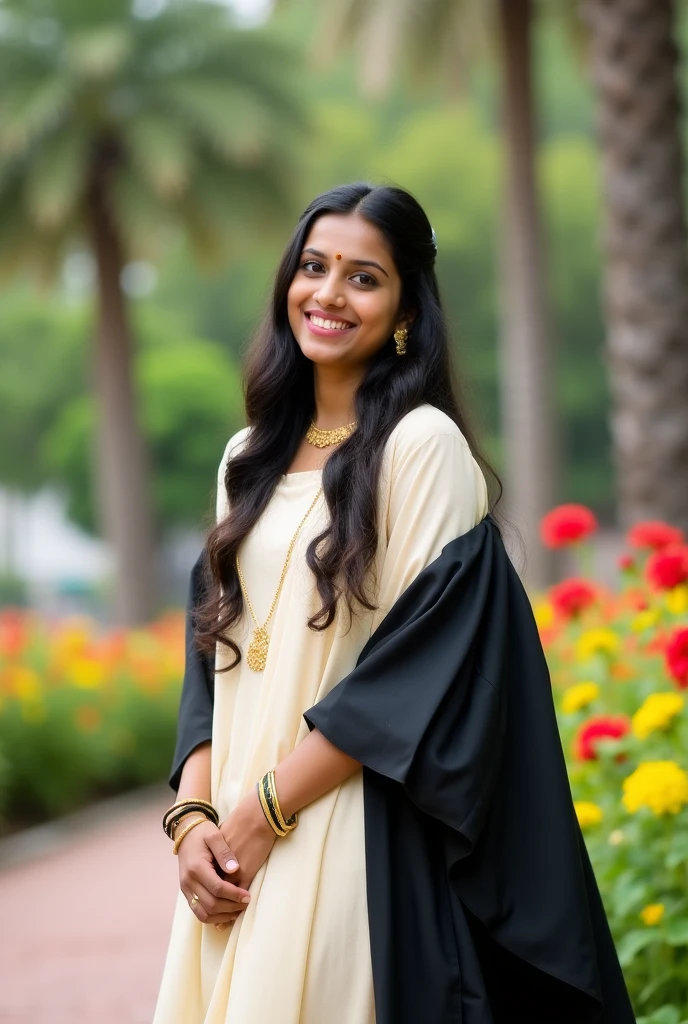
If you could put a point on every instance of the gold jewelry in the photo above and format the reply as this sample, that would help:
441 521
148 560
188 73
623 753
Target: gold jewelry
194 900
400 337
267 794
179 809
325 438
257 653
184 832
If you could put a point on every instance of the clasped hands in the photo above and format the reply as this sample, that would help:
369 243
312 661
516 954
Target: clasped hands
218 864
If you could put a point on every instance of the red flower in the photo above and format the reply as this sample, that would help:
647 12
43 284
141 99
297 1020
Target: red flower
653 534
600 727
566 524
570 597
676 655
625 563
668 567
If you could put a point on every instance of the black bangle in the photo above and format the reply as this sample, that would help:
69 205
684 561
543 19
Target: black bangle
175 814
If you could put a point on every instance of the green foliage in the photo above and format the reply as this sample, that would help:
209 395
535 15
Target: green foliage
184 119
190 397
41 354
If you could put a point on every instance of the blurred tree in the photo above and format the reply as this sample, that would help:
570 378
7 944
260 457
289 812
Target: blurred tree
441 34
634 69
114 127
191 403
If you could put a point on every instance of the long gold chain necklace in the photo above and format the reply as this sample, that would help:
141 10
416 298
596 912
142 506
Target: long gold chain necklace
325 438
257 653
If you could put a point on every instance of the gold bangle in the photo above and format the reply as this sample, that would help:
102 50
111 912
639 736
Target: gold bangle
272 821
267 794
287 825
176 811
184 832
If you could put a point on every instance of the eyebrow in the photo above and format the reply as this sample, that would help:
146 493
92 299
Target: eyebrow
356 263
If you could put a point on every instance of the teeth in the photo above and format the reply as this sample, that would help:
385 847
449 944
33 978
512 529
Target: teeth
329 325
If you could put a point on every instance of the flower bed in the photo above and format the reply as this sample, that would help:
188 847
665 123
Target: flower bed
619 663
83 714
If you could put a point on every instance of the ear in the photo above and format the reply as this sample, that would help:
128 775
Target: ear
405 319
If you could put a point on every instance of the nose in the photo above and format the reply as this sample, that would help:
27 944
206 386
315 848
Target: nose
329 293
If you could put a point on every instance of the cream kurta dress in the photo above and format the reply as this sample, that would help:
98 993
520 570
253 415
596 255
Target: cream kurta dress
300 953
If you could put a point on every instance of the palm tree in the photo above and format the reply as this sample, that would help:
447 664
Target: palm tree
397 34
114 128
634 70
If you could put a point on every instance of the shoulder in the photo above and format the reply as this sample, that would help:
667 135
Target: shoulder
233 447
421 429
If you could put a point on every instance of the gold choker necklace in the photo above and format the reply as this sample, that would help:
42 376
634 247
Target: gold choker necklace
325 438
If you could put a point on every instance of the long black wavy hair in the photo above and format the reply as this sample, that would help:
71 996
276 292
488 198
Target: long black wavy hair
280 403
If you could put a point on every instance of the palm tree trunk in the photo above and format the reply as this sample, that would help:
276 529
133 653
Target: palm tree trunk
634 70
527 384
122 476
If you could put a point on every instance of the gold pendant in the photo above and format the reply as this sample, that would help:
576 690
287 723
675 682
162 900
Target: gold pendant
257 653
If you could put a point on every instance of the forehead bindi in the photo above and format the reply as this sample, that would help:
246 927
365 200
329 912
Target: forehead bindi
349 238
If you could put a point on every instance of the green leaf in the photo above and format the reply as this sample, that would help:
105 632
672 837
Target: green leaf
634 942
678 851
676 932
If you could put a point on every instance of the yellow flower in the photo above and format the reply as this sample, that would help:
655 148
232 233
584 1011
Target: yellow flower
676 599
544 614
587 813
25 682
662 786
579 696
656 712
86 673
597 641
645 620
652 913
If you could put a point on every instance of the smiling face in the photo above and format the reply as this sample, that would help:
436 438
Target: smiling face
344 301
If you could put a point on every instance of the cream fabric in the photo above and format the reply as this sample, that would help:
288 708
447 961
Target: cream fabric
300 954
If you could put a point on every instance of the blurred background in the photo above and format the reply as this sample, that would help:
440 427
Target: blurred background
154 156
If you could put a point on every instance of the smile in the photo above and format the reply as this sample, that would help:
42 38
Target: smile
327 324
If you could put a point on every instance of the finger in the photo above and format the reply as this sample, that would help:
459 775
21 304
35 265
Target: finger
225 858
205 908
212 904
205 874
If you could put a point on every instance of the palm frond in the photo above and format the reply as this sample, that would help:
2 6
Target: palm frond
31 108
162 149
56 177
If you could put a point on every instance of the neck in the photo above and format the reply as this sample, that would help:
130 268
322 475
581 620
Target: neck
334 390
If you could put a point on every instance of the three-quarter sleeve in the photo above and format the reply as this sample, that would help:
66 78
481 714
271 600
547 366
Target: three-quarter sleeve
435 492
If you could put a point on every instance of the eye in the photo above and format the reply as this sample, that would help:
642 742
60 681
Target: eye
311 266
365 279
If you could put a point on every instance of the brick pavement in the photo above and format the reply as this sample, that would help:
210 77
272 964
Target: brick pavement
84 928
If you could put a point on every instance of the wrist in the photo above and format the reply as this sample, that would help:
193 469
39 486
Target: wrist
252 816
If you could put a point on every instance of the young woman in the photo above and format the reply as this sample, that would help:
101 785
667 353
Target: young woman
373 821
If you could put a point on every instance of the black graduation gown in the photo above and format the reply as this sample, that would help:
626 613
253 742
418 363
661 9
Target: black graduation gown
482 904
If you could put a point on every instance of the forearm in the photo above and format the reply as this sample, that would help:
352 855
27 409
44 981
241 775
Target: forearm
313 768
195 780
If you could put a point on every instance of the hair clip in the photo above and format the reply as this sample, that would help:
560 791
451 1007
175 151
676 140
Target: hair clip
434 240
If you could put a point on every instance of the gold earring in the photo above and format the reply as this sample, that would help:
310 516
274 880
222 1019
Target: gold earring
400 337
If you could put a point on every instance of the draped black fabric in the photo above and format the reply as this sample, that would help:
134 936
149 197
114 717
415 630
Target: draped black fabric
483 907
195 722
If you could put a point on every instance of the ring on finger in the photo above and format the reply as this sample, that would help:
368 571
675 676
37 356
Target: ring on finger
194 900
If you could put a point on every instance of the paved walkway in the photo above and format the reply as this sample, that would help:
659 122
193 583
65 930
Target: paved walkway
84 928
